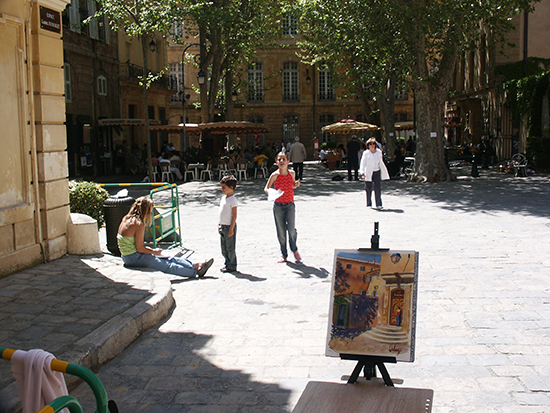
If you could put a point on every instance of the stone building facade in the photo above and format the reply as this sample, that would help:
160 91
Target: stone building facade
290 97
91 88
476 109
33 190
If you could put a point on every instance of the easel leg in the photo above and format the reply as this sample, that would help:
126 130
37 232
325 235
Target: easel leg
356 371
385 375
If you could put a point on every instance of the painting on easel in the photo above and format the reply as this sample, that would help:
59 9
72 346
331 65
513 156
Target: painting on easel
373 304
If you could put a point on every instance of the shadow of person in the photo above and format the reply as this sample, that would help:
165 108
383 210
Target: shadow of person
305 271
396 211
248 277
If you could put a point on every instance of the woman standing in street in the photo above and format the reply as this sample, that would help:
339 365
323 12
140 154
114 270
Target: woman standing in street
373 170
284 210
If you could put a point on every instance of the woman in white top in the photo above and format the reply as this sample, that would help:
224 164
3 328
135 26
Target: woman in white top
373 170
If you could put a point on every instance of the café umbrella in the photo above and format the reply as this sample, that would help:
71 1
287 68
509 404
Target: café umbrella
349 126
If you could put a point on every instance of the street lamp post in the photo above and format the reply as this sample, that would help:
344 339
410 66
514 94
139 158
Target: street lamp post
201 77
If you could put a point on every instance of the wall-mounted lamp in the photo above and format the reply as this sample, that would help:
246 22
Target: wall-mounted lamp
153 46
234 96
308 79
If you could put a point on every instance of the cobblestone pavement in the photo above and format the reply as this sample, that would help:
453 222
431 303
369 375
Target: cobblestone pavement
251 341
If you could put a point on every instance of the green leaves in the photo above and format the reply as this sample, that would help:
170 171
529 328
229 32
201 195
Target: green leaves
87 198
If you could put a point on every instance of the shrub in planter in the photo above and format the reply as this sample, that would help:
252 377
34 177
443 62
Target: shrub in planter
87 198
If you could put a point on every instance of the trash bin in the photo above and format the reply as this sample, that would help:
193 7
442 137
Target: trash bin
114 209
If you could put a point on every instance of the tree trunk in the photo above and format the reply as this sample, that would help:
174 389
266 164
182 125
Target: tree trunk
387 109
430 144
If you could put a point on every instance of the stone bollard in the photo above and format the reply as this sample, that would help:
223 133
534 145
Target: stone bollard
82 235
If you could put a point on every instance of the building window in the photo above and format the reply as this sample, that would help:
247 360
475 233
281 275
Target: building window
93 29
401 117
177 30
291 128
74 16
68 91
102 86
176 82
151 112
323 121
255 91
326 88
290 24
290 82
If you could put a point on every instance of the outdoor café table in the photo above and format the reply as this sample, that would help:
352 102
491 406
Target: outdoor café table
197 167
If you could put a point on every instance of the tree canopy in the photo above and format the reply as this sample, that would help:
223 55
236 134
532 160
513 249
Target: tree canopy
418 38
229 32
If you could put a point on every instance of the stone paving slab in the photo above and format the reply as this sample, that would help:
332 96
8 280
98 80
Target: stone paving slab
251 341
83 309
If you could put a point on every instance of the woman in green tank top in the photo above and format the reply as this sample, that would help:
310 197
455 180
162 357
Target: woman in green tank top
135 254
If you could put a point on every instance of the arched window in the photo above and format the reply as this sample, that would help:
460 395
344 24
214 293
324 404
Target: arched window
291 128
290 82
102 85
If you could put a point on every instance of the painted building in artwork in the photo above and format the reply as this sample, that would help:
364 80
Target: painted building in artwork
356 303
34 195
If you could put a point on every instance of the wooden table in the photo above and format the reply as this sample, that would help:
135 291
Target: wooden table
364 396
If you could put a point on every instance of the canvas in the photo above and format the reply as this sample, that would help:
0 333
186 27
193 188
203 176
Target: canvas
373 304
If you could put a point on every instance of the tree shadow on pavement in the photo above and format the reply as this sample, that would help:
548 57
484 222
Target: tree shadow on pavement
305 271
165 372
493 191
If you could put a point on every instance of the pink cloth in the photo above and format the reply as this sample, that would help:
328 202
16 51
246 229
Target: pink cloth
37 383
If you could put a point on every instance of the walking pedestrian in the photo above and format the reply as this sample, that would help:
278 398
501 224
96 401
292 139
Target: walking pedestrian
297 156
227 224
373 171
284 210
135 254
353 147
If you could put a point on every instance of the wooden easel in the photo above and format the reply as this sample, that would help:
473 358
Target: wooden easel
369 363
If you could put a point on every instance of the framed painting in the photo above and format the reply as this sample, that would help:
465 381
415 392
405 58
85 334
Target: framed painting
373 304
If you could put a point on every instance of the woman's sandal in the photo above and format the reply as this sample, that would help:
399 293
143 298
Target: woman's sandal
205 267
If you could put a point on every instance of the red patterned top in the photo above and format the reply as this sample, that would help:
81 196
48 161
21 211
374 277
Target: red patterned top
285 183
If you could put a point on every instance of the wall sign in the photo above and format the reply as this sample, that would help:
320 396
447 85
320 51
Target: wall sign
50 20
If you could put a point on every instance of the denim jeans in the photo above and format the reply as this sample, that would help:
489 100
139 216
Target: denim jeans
376 180
227 244
285 219
171 265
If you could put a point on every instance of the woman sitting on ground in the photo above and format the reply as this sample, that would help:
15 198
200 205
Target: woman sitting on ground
136 254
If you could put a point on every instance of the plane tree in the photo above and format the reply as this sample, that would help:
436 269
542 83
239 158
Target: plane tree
229 33
428 35
361 41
